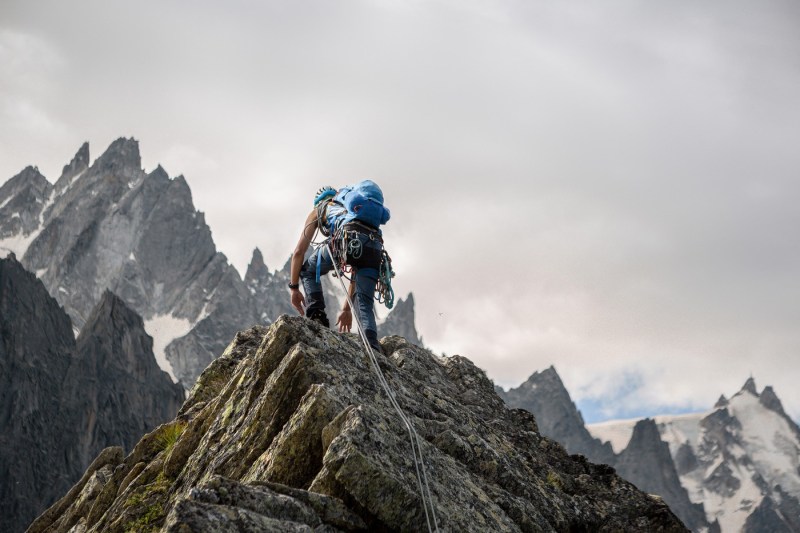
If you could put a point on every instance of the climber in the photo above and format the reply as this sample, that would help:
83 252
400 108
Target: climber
349 219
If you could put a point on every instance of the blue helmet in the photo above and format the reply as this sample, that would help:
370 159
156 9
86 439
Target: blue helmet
323 194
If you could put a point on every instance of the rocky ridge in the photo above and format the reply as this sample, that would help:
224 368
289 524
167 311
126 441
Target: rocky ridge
289 431
63 401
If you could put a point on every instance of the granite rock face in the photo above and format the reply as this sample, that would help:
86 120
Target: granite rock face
401 321
646 462
544 395
129 394
22 200
33 438
289 431
61 402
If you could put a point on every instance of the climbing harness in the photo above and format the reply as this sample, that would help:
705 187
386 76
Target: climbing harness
416 447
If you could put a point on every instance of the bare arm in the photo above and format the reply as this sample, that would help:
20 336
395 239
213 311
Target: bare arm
345 320
309 228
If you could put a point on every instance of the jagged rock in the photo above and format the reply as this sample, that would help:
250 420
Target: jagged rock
685 459
129 394
770 516
22 200
61 402
646 462
38 459
289 431
400 321
265 286
75 167
544 395
111 225
721 402
770 400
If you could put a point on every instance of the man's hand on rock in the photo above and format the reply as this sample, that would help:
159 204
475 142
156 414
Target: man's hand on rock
298 300
345 320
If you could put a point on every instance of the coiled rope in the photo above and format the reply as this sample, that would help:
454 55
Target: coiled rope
385 293
416 447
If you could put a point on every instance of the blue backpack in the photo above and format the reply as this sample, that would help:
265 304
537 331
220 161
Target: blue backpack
362 202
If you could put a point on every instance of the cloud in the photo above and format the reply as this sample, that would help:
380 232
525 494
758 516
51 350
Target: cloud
30 67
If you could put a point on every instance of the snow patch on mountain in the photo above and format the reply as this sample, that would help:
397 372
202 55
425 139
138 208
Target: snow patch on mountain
164 329
67 186
616 432
731 458
767 440
16 244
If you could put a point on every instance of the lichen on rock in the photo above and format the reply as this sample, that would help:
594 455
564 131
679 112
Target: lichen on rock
289 430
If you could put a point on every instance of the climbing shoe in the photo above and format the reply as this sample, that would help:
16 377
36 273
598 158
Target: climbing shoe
319 316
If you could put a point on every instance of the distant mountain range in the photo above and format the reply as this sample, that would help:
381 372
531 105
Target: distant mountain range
733 468
109 225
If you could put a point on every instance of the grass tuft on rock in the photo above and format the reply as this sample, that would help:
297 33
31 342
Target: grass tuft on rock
168 436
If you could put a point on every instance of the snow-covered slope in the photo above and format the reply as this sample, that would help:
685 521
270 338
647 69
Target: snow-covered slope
740 460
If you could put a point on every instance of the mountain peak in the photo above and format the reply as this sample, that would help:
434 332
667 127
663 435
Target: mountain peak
78 164
122 156
22 199
548 375
257 270
28 176
258 258
721 402
401 321
771 401
159 173
750 386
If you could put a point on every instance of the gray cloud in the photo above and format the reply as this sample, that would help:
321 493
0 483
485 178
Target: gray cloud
608 188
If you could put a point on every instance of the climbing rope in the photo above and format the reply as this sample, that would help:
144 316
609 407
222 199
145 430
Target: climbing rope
416 447
384 291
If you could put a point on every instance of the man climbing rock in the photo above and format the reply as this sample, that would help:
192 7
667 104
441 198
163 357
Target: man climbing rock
349 219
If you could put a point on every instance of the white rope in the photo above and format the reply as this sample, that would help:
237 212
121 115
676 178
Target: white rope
416 448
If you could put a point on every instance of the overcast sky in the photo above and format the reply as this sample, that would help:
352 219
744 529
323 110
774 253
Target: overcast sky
609 187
